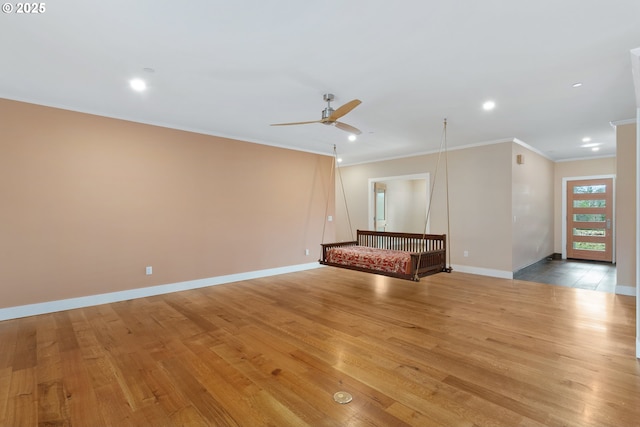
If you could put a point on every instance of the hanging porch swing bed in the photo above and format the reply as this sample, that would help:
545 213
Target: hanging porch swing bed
403 255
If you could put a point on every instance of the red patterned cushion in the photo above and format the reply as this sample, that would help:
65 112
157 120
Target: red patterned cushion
371 258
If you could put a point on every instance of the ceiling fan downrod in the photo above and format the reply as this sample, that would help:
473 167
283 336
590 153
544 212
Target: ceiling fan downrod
327 112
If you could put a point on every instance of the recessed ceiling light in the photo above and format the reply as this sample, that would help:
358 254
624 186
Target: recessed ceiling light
489 105
138 85
590 145
352 137
595 149
577 84
339 160
586 139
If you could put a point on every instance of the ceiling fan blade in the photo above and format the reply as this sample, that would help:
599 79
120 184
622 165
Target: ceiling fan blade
296 123
344 110
347 128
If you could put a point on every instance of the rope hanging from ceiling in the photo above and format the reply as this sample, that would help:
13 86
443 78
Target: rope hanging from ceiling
443 149
344 196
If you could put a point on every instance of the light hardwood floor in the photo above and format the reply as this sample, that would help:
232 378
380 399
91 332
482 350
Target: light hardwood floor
453 350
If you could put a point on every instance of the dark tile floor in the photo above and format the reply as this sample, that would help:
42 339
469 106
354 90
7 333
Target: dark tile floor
596 276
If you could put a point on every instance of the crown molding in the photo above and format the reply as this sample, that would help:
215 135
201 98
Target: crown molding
622 122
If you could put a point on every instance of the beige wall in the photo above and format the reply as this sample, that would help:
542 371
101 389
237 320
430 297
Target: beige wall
353 203
480 206
406 201
88 202
575 169
532 207
626 205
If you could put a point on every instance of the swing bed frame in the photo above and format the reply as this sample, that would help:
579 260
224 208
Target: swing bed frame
412 255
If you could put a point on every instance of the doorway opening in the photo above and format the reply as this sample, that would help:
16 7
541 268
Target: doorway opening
399 203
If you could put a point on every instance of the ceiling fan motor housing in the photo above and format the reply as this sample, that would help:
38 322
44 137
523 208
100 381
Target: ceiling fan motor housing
327 112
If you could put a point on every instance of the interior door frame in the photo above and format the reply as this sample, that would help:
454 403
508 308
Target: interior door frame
370 191
564 210
379 187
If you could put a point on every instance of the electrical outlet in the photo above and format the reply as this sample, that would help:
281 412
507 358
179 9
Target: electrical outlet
306 251
466 254
149 270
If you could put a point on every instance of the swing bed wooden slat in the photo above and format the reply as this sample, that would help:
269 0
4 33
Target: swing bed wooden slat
403 255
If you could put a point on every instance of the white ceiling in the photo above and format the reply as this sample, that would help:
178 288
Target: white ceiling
231 68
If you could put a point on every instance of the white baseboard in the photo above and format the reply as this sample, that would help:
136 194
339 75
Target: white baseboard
638 348
483 271
80 302
626 290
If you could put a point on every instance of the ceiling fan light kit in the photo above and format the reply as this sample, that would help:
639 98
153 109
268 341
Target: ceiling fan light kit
331 116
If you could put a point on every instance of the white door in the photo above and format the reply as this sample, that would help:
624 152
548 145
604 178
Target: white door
380 206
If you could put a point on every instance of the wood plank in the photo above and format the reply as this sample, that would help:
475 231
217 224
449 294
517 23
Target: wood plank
8 337
5 384
22 399
79 391
25 355
49 368
53 409
193 390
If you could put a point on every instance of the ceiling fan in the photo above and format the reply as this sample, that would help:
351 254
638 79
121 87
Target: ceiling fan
331 116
